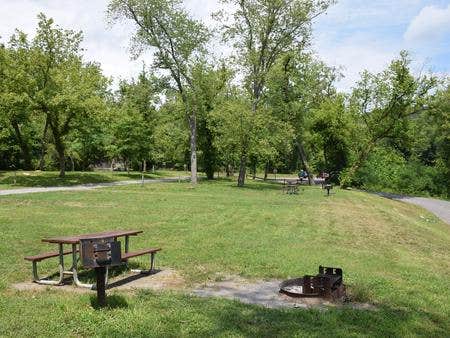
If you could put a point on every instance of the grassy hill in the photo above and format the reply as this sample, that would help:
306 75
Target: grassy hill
394 255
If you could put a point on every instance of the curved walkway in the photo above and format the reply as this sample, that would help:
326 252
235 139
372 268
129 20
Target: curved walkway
440 208
89 186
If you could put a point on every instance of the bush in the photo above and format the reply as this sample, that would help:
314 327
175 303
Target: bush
387 170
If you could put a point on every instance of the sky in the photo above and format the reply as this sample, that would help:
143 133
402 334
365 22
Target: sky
354 34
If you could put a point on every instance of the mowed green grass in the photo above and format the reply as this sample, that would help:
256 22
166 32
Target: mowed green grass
52 179
394 255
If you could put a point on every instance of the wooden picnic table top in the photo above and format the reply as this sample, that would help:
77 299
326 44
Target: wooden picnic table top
76 239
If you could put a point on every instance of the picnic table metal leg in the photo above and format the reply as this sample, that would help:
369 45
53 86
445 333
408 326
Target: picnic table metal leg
152 265
127 248
61 271
152 261
75 269
127 244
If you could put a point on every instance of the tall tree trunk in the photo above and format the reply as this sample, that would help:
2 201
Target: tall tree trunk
43 146
24 147
242 168
228 170
363 155
62 159
59 145
72 164
144 166
302 155
60 149
243 162
266 171
193 144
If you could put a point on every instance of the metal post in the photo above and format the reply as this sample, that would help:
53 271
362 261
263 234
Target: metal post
127 243
61 263
152 261
100 274
127 248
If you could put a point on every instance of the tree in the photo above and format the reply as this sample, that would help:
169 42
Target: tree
296 87
262 31
333 125
382 105
209 85
134 123
440 115
178 41
15 90
50 79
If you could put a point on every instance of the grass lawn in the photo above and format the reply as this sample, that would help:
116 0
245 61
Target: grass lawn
394 255
51 178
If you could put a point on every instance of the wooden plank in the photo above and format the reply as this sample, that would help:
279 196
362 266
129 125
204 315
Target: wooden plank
76 239
46 255
129 255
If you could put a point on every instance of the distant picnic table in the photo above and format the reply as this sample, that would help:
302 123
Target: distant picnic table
291 186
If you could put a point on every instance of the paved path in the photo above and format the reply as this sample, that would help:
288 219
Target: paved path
89 186
440 208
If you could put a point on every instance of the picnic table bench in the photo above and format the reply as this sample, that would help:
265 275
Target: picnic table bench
74 241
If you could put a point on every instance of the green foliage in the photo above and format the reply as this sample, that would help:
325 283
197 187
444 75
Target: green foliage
331 129
382 105
46 79
133 120
387 170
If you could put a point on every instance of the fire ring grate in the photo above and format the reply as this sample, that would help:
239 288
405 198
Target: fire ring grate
328 283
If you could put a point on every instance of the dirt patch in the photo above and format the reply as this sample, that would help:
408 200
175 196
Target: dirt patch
266 293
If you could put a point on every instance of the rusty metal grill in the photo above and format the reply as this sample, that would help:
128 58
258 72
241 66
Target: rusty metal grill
328 283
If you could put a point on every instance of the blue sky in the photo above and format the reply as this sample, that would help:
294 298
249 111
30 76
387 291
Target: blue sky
354 34
358 34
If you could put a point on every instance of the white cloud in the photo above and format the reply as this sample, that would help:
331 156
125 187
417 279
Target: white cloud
431 24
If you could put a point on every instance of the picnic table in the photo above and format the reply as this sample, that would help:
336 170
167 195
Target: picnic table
290 187
74 242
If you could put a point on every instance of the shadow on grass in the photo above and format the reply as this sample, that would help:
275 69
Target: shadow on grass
52 179
88 275
260 186
112 302
131 278
231 318
386 322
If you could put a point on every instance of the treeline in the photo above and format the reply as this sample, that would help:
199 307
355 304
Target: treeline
272 105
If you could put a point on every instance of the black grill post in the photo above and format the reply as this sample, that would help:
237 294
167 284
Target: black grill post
100 274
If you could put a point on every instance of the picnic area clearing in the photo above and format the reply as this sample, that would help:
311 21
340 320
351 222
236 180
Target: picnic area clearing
394 255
